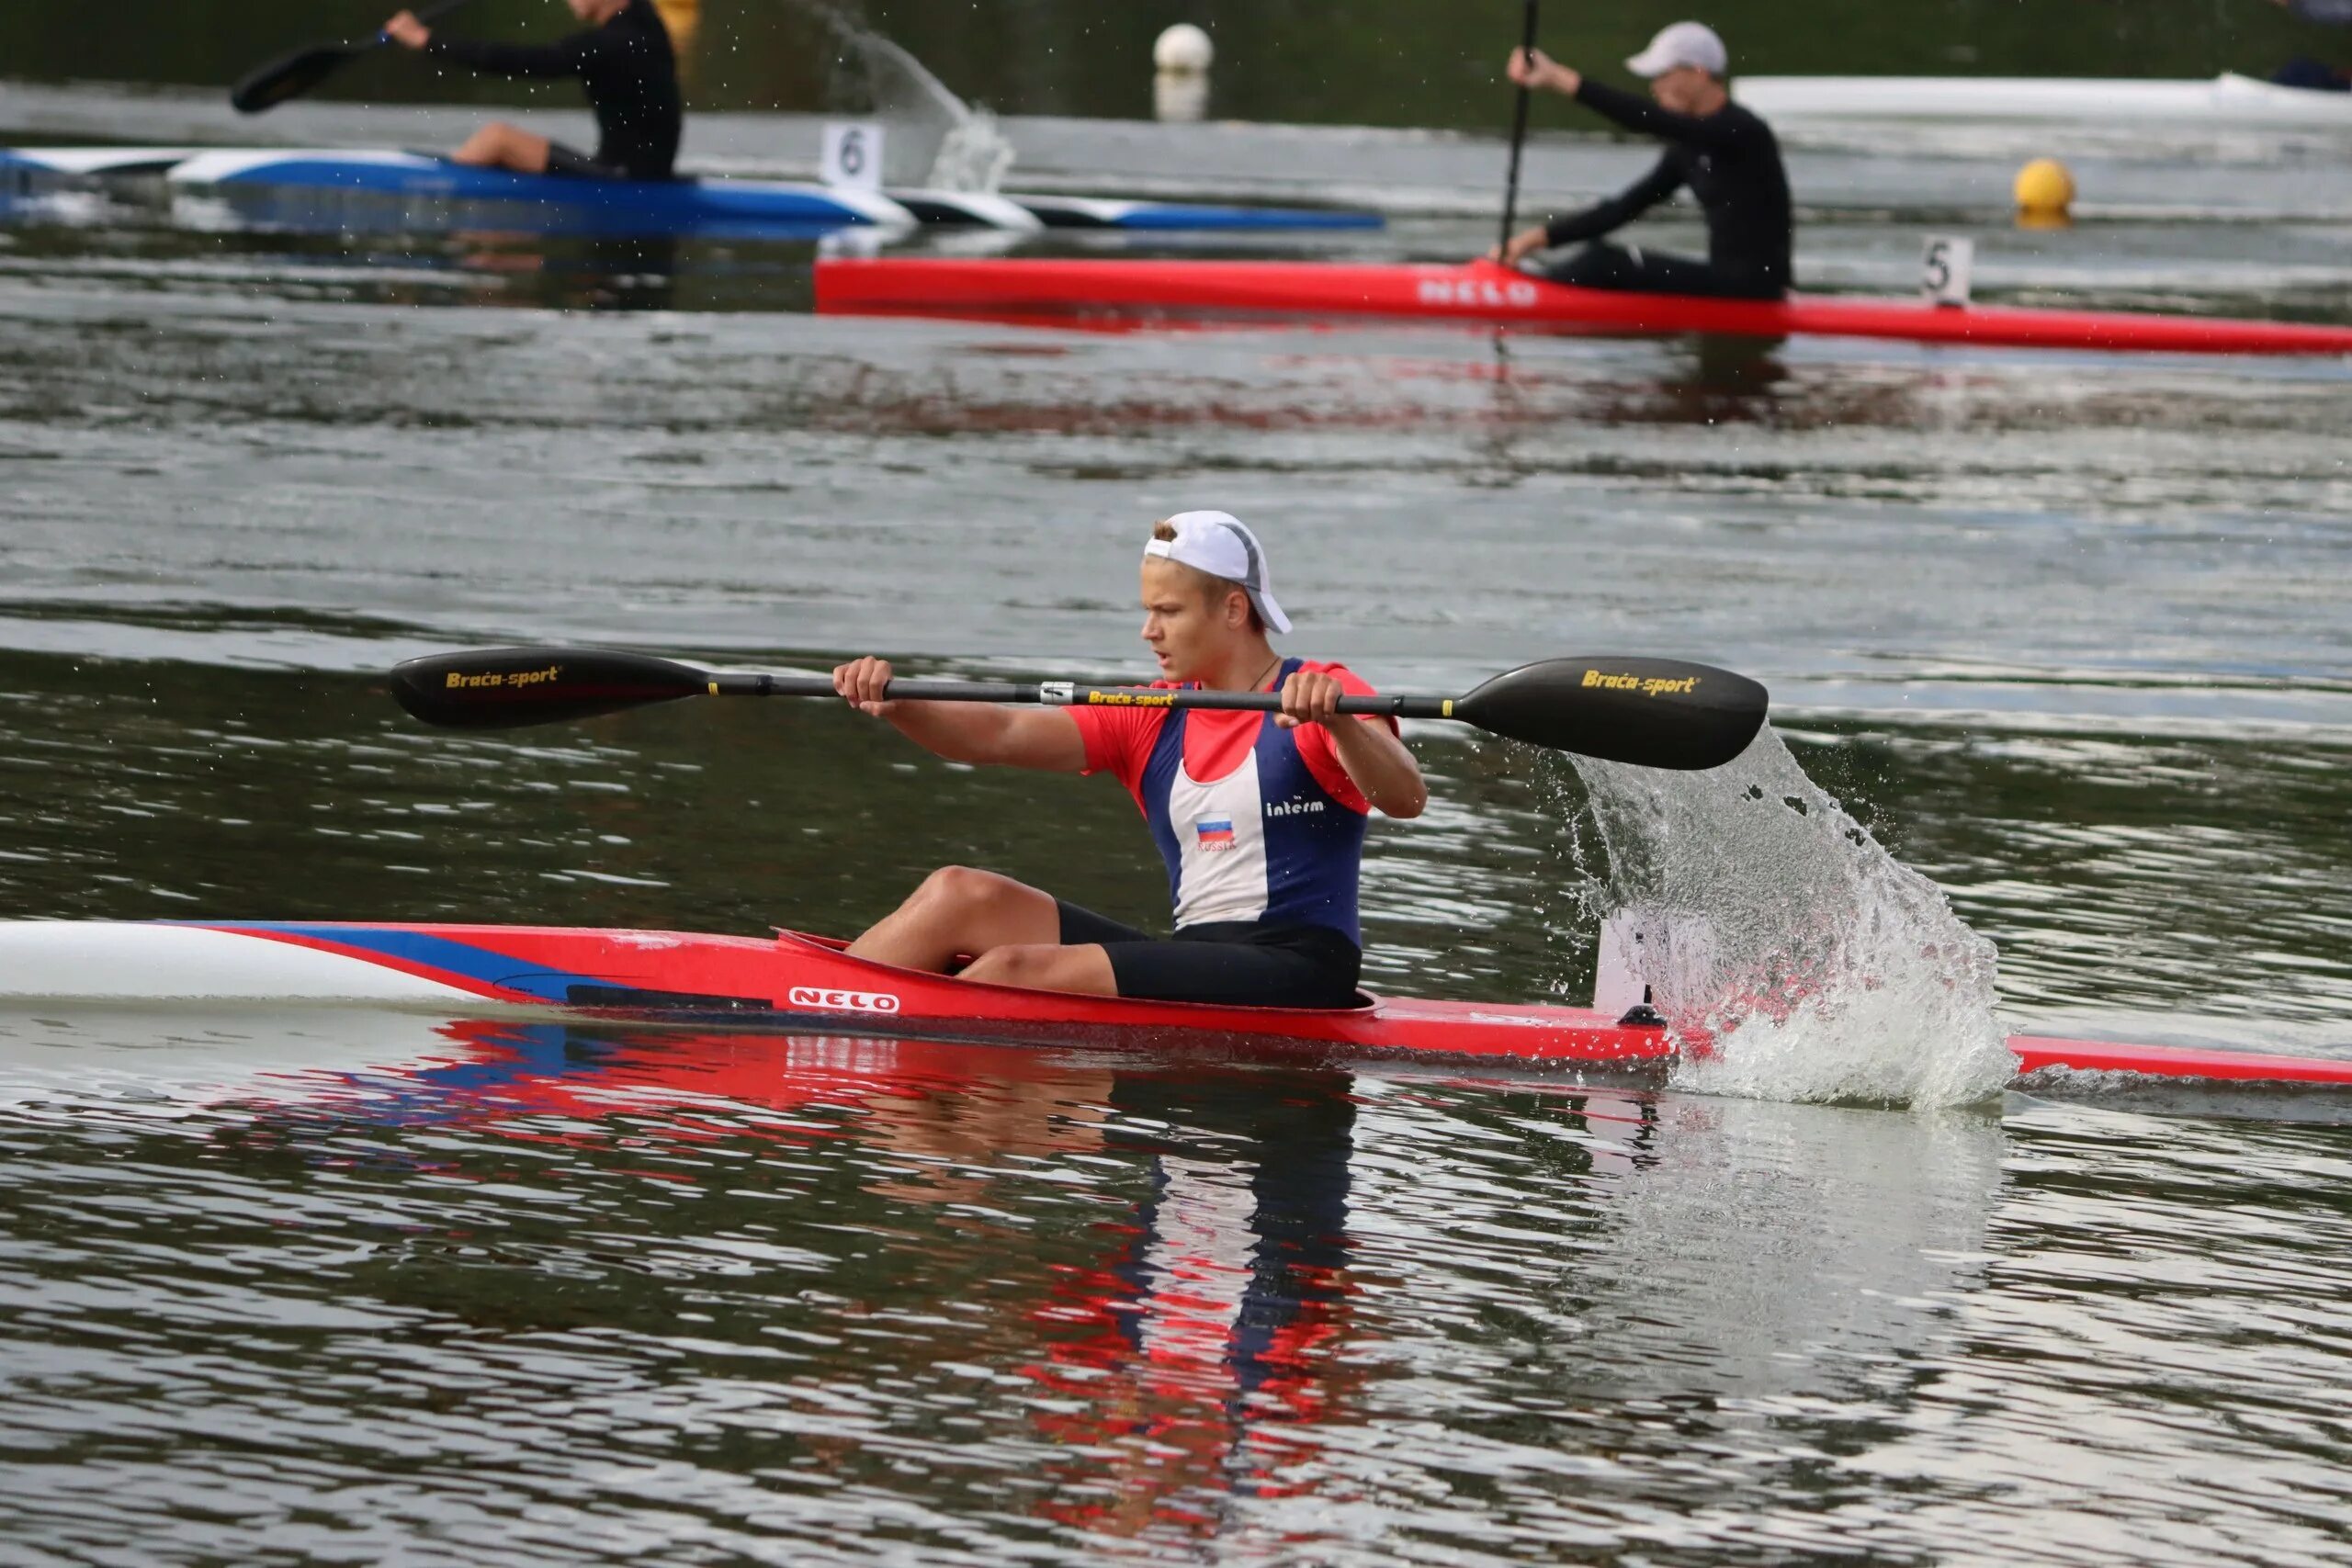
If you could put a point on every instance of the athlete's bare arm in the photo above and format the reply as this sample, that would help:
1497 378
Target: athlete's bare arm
1045 738
1380 764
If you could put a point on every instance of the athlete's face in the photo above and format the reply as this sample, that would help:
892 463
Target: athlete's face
1188 628
1683 89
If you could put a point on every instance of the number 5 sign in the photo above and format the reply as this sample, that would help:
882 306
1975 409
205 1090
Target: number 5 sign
1944 270
852 155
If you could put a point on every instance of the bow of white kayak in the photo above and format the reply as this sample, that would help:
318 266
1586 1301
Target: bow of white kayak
136 961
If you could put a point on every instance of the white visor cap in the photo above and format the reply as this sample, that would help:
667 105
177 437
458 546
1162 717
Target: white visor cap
1218 544
1679 44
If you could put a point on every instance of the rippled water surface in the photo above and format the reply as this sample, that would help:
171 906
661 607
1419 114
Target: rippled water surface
2069 633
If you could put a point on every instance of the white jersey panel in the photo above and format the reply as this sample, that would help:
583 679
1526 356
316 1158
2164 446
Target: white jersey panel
1221 836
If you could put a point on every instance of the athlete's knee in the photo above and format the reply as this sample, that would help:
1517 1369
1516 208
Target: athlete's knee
494 142
1033 968
965 890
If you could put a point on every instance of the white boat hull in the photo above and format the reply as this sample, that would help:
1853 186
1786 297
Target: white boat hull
2227 100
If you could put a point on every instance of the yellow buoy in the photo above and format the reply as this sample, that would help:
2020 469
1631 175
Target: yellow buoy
2045 194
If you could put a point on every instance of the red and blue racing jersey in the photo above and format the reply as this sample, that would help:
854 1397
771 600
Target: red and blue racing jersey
1256 822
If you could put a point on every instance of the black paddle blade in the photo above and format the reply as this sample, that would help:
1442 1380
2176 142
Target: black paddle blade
293 76
504 688
1654 713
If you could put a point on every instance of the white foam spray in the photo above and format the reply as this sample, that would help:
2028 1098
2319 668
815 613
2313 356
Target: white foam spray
1798 960
935 140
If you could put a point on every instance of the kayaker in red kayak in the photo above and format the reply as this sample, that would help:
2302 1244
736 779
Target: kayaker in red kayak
1728 157
623 60
1260 817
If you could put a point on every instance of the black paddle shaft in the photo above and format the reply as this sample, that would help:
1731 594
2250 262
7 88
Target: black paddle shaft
1518 133
1657 713
291 76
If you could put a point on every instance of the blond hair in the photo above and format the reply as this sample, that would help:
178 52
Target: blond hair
1213 587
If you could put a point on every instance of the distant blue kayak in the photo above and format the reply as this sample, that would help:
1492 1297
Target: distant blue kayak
294 180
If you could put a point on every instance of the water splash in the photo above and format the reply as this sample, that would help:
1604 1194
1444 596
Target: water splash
935 140
1818 966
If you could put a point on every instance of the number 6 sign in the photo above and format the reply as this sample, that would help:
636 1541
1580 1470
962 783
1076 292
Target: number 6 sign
852 156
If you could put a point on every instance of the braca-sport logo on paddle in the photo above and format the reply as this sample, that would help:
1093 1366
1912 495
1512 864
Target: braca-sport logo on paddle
460 680
831 1000
1648 685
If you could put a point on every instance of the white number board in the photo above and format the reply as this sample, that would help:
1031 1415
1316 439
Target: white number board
1944 268
852 155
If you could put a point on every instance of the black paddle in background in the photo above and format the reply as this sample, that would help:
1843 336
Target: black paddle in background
297 74
1654 713
1518 135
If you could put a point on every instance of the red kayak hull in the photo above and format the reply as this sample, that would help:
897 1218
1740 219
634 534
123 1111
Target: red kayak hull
795 979
1087 292
799 981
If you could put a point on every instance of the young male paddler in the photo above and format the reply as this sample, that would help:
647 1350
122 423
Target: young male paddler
625 63
1260 817
1729 158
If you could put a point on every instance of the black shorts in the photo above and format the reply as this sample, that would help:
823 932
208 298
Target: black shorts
1235 962
572 162
1626 268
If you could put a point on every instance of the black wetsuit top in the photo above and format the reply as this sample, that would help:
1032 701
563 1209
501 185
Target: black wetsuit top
628 69
1732 163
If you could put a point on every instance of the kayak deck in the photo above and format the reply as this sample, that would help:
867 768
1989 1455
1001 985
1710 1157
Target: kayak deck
1482 293
799 981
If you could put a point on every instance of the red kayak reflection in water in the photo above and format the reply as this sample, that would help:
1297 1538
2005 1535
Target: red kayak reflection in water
1194 1346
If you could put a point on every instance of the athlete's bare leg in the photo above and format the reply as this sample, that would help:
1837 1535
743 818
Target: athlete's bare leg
1010 929
1085 969
500 146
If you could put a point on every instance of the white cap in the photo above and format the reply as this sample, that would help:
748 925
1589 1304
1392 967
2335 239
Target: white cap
1683 43
1216 543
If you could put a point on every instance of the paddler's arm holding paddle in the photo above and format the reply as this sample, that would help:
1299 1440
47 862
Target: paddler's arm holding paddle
1375 759
525 60
1534 70
1045 738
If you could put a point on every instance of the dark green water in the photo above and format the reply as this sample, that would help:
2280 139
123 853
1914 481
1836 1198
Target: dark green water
2069 633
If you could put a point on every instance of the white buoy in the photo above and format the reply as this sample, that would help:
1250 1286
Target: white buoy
1184 51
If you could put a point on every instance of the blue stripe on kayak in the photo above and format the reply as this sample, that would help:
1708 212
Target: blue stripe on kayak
479 965
669 201
1171 215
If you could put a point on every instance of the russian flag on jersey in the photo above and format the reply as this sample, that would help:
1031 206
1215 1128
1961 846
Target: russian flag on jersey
1214 832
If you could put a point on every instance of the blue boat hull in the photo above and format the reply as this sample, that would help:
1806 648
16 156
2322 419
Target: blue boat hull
290 184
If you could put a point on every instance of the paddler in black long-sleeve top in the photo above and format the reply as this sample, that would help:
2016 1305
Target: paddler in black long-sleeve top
624 61
1726 155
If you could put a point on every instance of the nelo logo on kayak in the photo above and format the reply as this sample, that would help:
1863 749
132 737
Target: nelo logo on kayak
1648 685
458 678
1477 291
831 1000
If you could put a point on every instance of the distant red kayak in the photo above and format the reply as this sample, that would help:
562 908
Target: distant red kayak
808 984
1141 291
